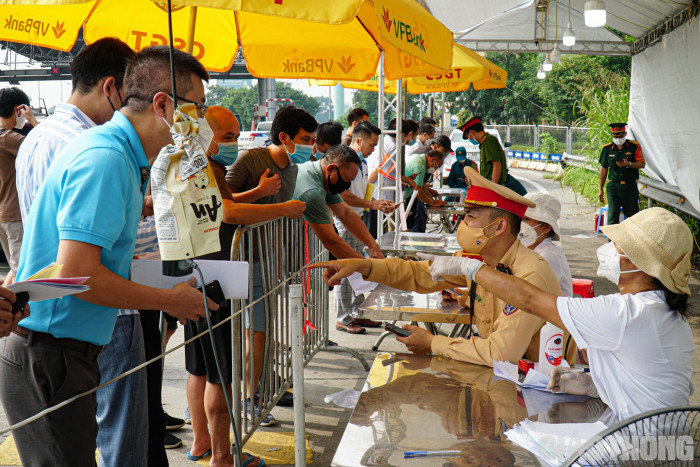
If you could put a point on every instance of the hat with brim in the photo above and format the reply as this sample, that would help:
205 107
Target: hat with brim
659 243
547 210
484 193
466 126
618 129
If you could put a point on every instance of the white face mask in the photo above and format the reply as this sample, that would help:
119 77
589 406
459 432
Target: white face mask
431 170
528 235
609 259
619 141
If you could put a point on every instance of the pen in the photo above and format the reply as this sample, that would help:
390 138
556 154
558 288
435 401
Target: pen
444 453
576 370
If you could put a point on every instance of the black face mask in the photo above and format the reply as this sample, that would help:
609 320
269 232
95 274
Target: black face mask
339 186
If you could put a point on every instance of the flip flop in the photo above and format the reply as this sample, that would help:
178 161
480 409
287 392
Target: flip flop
192 457
250 459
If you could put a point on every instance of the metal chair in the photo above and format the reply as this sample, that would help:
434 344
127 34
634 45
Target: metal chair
669 436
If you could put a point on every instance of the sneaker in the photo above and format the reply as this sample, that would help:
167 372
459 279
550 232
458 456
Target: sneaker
186 415
267 421
171 441
173 423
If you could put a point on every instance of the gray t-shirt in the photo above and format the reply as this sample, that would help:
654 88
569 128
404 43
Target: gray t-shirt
245 174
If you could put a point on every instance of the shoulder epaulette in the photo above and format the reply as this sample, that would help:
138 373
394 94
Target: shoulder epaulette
606 145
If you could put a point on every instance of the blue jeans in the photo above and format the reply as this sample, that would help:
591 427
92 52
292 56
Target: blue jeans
122 415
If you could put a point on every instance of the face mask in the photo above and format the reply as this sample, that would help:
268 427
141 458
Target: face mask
411 143
339 186
319 155
20 122
609 259
473 239
474 142
528 235
228 153
619 141
301 154
431 170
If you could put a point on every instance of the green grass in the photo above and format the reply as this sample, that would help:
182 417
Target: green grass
583 182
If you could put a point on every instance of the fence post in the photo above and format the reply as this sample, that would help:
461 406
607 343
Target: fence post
568 139
536 141
508 134
297 320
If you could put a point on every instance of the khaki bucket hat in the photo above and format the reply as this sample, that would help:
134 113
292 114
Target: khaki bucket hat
659 243
548 210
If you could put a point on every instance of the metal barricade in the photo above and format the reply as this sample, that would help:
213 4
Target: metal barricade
277 252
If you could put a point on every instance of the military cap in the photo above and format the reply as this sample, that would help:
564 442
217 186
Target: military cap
485 193
618 129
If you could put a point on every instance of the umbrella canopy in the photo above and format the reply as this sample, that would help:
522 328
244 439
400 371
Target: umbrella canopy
468 69
280 39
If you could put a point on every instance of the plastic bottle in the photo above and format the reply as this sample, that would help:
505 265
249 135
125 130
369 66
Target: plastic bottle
462 196
551 348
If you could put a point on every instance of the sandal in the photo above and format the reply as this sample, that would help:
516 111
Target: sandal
251 458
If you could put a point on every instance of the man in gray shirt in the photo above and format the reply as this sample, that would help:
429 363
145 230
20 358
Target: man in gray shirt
268 176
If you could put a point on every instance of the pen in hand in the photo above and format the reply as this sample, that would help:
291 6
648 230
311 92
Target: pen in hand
443 453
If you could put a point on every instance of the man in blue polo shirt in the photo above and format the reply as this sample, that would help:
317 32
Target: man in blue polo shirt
84 217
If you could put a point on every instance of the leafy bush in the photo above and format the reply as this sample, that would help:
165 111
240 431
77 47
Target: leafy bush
549 144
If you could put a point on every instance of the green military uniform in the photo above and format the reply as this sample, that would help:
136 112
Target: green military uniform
490 151
621 189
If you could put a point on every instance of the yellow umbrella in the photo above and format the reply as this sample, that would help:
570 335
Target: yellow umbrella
468 68
280 38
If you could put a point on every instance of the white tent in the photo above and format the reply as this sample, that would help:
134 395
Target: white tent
665 90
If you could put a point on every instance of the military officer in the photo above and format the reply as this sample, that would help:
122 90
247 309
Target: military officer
620 162
490 229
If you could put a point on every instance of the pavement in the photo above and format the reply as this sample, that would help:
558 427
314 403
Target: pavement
328 373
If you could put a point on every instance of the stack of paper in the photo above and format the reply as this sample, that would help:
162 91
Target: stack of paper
534 379
552 443
45 286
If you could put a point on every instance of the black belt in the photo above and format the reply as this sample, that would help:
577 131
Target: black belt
622 182
90 350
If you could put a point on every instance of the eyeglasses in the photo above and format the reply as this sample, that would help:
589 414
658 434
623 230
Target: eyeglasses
201 108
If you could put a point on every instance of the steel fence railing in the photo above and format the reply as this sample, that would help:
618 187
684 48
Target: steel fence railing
278 252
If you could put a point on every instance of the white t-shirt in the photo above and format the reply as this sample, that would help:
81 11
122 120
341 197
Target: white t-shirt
557 261
640 352
357 188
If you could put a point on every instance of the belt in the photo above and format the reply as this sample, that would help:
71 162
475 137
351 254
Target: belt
90 350
621 182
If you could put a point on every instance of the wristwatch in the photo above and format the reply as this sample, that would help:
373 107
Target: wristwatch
629 163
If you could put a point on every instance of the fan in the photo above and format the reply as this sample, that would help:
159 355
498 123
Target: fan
669 436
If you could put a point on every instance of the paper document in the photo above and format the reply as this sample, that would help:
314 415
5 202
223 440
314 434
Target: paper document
232 275
359 285
552 443
534 378
44 286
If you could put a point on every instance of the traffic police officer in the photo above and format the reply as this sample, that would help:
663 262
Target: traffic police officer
620 162
490 229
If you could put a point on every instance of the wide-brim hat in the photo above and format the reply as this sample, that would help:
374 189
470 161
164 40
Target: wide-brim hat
485 193
547 210
659 243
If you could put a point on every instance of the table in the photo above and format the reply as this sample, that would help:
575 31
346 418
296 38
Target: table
389 304
416 403
444 191
446 213
412 243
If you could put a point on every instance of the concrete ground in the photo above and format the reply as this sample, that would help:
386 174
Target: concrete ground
332 372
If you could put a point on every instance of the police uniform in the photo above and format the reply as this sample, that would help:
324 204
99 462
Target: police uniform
506 333
621 189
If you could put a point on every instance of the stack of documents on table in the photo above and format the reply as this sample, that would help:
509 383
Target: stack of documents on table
45 286
534 379
552 443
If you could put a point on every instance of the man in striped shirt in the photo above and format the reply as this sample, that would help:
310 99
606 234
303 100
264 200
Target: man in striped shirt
98 83
97 73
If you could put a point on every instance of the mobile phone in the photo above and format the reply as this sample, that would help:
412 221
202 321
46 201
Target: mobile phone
21 300
454 292
396 330
215 292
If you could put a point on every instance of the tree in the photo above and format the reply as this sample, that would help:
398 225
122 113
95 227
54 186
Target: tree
242 101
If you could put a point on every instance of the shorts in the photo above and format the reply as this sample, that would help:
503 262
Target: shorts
259 308
199 355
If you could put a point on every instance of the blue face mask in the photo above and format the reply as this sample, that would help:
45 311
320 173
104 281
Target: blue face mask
411 143
474 142
228 153
301 154
319 155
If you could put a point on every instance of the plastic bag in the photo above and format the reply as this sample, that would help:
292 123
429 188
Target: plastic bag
347 398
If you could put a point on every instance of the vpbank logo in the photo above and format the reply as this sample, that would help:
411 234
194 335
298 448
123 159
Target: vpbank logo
403 31
345 64
33 26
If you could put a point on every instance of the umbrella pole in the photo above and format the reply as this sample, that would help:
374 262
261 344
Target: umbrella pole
172 62
190 29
